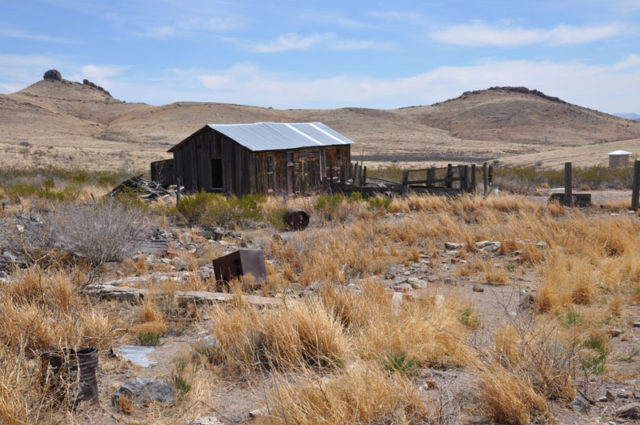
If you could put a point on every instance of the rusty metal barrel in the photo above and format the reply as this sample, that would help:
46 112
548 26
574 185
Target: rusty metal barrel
296 219
71 374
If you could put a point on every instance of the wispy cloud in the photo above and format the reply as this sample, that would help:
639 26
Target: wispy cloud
295 41
187 26
158 33
482 34
13 33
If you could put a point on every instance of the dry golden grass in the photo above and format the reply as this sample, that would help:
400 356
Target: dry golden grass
43 311
363 394
291 337
495 274
587 274
509 398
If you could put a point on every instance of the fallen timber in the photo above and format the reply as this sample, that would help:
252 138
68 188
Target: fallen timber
136 295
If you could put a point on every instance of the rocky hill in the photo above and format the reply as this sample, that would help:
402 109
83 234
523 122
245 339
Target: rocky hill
64 123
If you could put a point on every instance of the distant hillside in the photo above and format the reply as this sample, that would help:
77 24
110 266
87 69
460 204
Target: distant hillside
65 123
516 114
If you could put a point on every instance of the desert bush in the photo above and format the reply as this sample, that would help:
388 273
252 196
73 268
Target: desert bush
95 233
102 232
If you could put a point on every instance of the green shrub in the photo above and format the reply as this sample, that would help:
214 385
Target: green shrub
276 218
380 202
401 363
216 209
595 359
149 339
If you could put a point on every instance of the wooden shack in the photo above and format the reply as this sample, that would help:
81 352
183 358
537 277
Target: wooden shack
266 157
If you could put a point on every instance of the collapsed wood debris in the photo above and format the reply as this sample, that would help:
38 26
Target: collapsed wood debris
143 188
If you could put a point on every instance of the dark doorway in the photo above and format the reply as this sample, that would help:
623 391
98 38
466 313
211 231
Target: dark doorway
216 174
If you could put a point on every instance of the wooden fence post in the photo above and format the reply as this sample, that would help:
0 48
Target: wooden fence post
405 184
635 194
447 179
485 178
568 186
473 178
364 175
462 171
431 176
490 175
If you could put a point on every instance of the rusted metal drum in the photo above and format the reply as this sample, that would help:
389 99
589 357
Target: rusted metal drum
71 374
296 219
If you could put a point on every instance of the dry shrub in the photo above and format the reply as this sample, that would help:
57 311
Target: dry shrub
96 233
494 274
288 337
149 312
149 328
567 280
17 387
532 254
363 394
509 398
531 364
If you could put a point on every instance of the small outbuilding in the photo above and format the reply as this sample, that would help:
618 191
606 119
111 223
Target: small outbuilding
618 158
264 157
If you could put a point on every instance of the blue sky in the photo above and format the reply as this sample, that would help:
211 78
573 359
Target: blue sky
325 54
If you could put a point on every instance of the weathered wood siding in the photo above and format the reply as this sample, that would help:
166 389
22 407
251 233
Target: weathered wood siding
298 171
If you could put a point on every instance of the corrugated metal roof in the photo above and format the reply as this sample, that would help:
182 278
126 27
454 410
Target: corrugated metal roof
269 136
619 152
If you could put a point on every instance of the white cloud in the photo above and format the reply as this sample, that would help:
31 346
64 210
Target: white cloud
294 41
481 34
606 87
291 41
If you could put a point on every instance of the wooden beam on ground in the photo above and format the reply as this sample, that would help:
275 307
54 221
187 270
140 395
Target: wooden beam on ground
128 294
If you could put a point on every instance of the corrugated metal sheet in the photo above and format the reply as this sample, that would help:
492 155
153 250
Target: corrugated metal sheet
269 136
